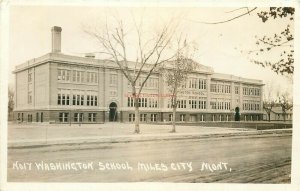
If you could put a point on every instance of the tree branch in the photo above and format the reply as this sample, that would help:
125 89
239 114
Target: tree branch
225 21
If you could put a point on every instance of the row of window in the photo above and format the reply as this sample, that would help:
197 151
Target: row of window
251 106
39 117
193 104
78 117
181 104
251 91
220 105
143 117
143 102
220 88
195 83
64 99
182 117
77 76
150 83
215 117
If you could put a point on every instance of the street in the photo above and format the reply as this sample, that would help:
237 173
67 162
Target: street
229 160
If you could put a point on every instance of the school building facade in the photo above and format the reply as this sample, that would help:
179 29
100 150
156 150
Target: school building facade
60 88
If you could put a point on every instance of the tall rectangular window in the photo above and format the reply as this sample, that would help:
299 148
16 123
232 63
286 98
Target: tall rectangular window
92 77
202 103
78 100
96 78
236 89
78 117
77 76
82 100
213 104
153 117
143 117
82 77
92 117
88 77
74 76
87 100
194 104
131 117
113 78
63 99
42 117
68 75
63 117
96 101
202 84
92 100
227 89
29 97
202 118
130 102
59 99
170 117
74 100
182 117
67 99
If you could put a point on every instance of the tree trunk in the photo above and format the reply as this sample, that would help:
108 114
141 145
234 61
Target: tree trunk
269 116
174 120
137 114
174 105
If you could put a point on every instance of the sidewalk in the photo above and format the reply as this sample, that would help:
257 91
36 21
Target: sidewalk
37 136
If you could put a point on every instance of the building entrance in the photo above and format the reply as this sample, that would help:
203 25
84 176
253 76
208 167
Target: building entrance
113 111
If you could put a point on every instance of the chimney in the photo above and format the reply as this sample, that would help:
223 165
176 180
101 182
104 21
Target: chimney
56 39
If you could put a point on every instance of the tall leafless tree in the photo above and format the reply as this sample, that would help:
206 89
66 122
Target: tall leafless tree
285 103
176 73
151 51
269 101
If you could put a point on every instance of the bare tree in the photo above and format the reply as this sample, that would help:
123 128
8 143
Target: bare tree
151 51
285 103
268 108
175 74
269 101
11 103
268 43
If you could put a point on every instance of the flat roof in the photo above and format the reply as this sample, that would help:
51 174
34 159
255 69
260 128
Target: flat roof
94 62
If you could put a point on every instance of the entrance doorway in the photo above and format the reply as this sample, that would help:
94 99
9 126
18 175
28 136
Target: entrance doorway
113 111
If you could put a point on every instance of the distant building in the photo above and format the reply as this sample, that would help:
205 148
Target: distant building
62 88
277 114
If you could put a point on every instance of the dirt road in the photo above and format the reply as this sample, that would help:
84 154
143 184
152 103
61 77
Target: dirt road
230 160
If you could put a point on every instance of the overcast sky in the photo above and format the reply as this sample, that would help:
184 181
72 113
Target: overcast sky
224 47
